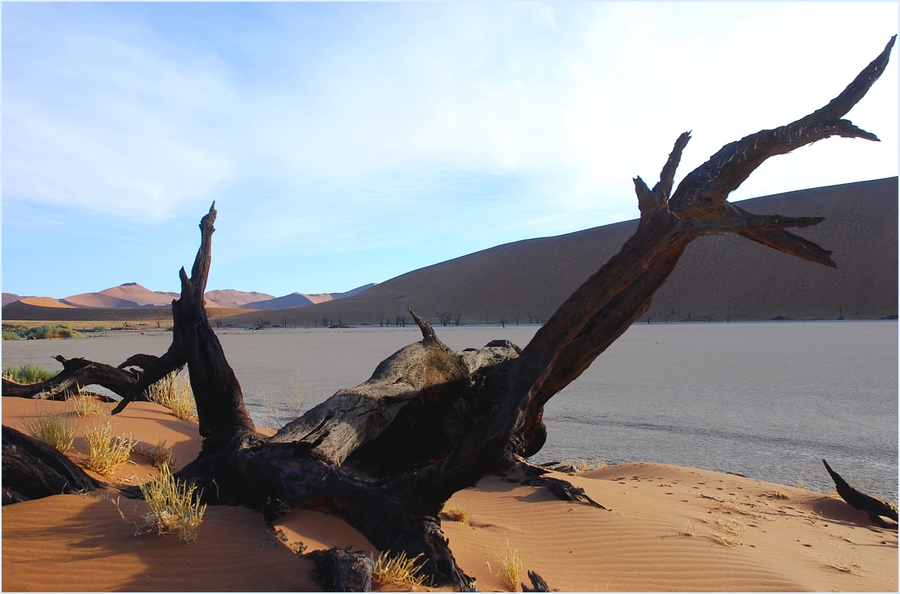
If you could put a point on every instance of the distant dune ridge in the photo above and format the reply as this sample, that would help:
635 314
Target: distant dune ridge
719 278
10 298
133 296
304 299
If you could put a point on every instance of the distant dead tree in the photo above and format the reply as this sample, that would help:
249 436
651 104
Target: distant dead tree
386 455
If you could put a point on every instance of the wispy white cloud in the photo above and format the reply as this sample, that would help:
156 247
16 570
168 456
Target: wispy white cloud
105 124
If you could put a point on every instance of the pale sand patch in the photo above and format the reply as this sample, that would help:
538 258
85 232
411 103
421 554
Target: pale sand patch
668 528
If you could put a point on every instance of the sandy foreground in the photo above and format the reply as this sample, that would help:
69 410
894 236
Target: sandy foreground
666 528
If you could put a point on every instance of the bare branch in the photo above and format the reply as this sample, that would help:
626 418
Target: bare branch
706 188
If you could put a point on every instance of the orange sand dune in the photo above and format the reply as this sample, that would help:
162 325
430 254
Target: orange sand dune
45 302
666 528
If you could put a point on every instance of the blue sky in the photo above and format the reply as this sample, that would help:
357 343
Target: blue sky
351 143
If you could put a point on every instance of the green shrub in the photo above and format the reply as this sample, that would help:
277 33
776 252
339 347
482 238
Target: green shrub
27 374
8 335
47 331
99 329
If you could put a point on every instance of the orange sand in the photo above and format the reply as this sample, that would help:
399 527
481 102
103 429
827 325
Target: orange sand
46 302
667 528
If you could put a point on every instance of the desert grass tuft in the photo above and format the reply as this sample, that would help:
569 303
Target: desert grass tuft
845 565
728 531
85 405
108 453
174 392
275 414
398 570
173 507
458 514
689 530
584 466
52 428
162 455
510 569
270 413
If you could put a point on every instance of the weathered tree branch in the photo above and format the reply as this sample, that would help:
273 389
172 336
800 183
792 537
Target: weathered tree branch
77 373
704 189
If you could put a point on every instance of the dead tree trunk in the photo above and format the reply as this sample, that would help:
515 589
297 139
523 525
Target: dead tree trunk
386 455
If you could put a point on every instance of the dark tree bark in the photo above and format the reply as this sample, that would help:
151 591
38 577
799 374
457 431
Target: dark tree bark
343 570
537 583
33 469
876 510
76 374
386 455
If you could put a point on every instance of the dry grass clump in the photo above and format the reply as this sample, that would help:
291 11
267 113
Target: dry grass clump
162 455
458 514
510 569
276 414
689 531
174 392
728 531
575 467
173 508
85 405
108 453
271 414
845 565
52 428
584 466
398 570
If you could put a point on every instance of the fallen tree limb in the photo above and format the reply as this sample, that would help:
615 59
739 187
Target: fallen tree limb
76 374
876 510
33 469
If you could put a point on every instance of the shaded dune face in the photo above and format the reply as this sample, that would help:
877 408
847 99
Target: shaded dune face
718 278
